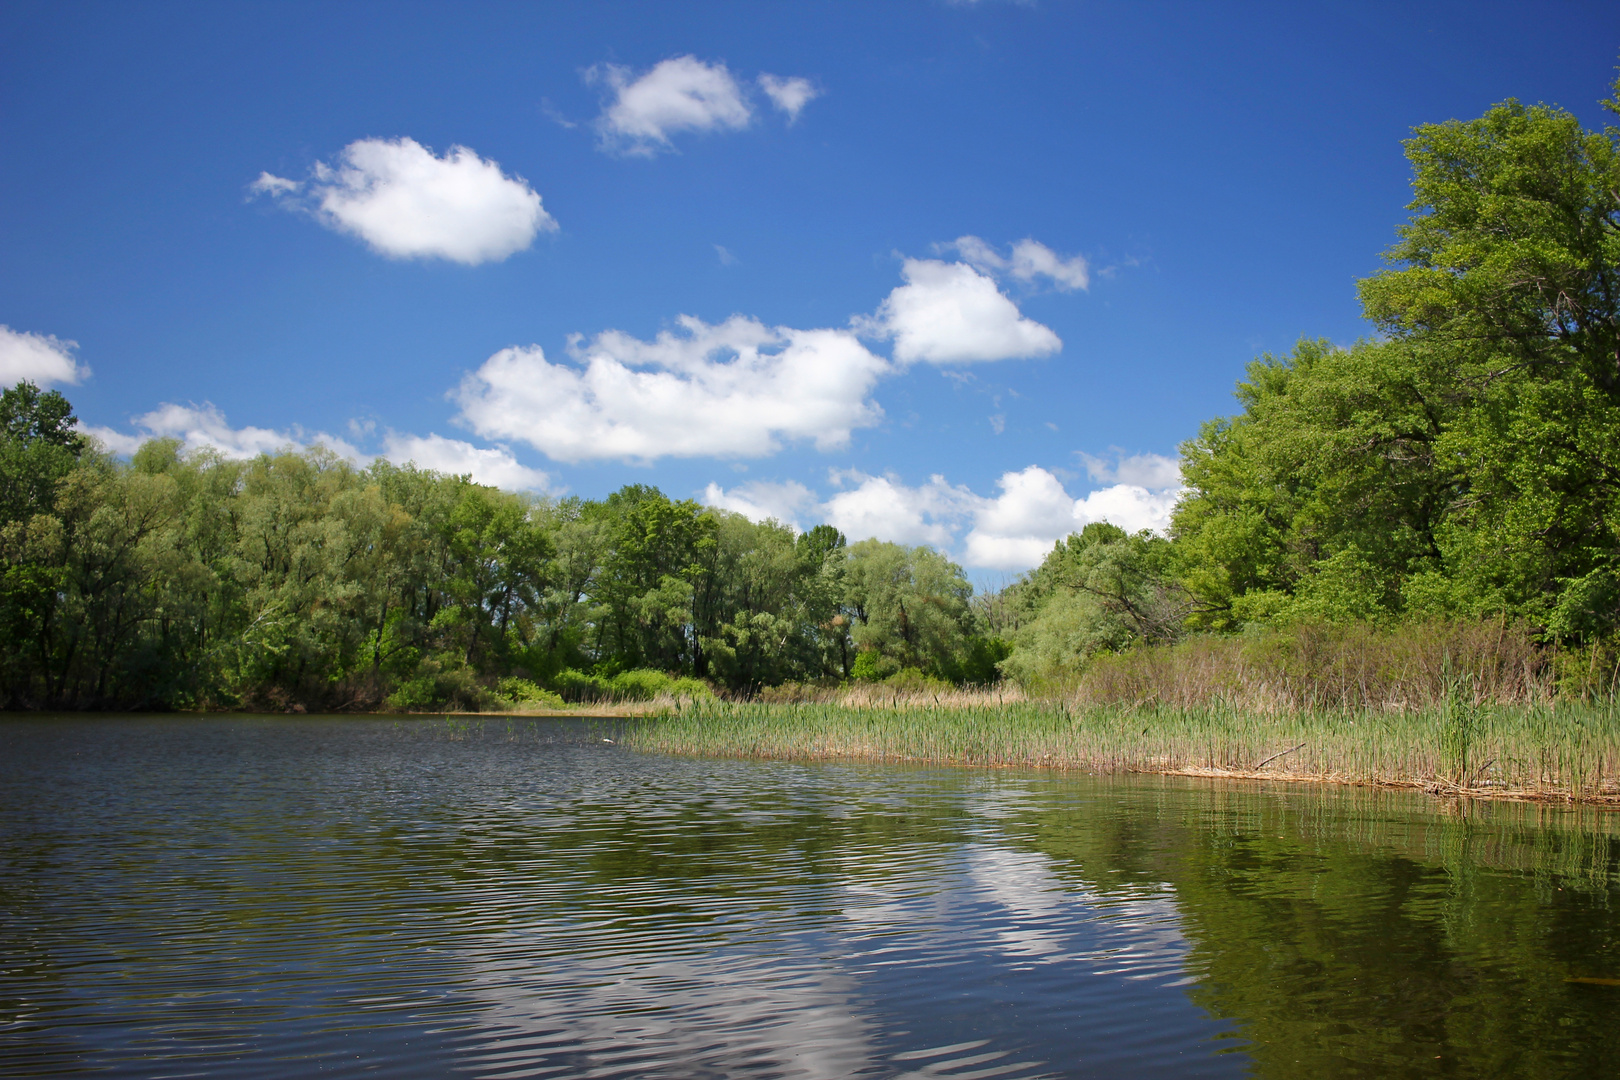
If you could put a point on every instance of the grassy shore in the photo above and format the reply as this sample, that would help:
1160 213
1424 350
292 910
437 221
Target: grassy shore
1563 751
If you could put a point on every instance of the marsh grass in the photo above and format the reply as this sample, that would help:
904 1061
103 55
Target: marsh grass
1461 745
1354 666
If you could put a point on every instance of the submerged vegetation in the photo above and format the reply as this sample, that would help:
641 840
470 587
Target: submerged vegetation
1420 526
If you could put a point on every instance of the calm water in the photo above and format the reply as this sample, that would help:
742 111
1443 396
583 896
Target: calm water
273 897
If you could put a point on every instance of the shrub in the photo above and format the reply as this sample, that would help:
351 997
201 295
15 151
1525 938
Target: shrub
916 681
524 692
642 684
871 666
440 685
573 685
695 689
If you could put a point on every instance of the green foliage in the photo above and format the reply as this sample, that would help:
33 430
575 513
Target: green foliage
916 681
639 685
524 692
38 447
449 686
981 665
1468 463
909 608
1101 590
579 686
872 666
689 689
298 580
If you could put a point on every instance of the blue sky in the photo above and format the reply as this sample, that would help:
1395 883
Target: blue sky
1024 249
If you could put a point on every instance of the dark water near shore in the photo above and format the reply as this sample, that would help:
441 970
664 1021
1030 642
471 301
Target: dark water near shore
274 897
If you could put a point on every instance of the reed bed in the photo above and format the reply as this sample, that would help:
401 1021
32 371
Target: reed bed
1541 750
1352 666
888 694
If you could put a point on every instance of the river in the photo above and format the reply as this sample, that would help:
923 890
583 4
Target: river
273 896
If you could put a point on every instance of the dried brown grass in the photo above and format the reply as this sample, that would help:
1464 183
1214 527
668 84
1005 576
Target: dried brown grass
1354 667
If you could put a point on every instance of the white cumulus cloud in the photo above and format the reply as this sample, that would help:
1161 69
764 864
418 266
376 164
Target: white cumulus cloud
950 313
764 500
1156 472
884 508
1013 530
679 94
1017 528
790 95
738 388
39 358
405 202
1130 506
495 466
204 426
1027 261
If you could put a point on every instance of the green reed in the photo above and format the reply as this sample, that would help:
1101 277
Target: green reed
1554 750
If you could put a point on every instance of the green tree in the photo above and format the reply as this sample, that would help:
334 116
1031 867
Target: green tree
1100 590
1467 462
909 608
657 550
1335 451
39 445
1509 269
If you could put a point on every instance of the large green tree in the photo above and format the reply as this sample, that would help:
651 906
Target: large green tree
1469 459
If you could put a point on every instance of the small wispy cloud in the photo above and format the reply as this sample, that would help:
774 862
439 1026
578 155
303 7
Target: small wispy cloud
790 95
681 94
643 112
1027 261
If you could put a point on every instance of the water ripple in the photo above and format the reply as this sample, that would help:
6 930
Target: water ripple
253 897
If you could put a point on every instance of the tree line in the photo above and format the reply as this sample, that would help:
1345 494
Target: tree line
301 580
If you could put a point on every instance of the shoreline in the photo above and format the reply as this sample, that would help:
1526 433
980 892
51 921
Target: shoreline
1436 787
1053 736
1520 754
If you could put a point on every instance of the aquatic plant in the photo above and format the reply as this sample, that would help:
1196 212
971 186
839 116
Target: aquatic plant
1565 750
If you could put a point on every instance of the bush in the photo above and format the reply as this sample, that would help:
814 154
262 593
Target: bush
872 666
437 685
916 681
642 684
524 692
695 689
577 686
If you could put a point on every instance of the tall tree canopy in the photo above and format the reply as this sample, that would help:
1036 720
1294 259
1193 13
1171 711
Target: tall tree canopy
298 579
1466 461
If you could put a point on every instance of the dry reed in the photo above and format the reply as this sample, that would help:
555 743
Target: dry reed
1356 666
1459 746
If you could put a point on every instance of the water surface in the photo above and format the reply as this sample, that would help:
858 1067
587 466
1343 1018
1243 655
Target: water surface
195 896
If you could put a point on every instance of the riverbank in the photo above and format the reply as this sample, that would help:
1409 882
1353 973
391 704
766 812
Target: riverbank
1563 752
